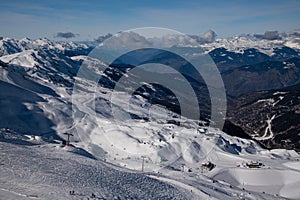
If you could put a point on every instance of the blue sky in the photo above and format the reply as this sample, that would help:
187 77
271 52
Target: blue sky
89 19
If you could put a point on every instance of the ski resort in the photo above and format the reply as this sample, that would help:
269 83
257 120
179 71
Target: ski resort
149 113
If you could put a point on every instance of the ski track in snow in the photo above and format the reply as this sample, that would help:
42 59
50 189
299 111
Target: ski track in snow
42 172
7 194
200 194
50 171
268 129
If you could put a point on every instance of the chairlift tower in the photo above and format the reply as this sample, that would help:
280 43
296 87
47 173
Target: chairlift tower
68 140
143 162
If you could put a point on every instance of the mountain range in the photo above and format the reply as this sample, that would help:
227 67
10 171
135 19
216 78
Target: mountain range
44 94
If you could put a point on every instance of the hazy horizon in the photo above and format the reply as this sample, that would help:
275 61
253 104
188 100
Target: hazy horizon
85 21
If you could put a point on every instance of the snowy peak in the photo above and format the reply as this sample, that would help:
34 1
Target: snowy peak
41 99
26 58
238 44
265 43
10 46
39 58
209 36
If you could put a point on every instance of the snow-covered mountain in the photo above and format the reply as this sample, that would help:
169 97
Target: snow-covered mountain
31 168
237 44
267 46
42 98
228 53
10 46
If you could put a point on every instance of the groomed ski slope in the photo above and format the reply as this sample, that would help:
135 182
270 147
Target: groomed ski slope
34 169
50 172
108 158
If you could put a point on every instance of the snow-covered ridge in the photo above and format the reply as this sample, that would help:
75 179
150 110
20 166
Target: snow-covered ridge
234 169
10 46
175 153
24 58
238 44
241 42
209 41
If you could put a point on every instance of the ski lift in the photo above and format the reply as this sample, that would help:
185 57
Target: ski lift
68 140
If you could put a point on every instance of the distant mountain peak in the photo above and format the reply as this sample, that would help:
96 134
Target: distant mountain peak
210 36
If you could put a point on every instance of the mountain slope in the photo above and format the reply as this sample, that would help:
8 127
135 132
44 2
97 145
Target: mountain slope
270 116
116 136
33 168
50 171
262 76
